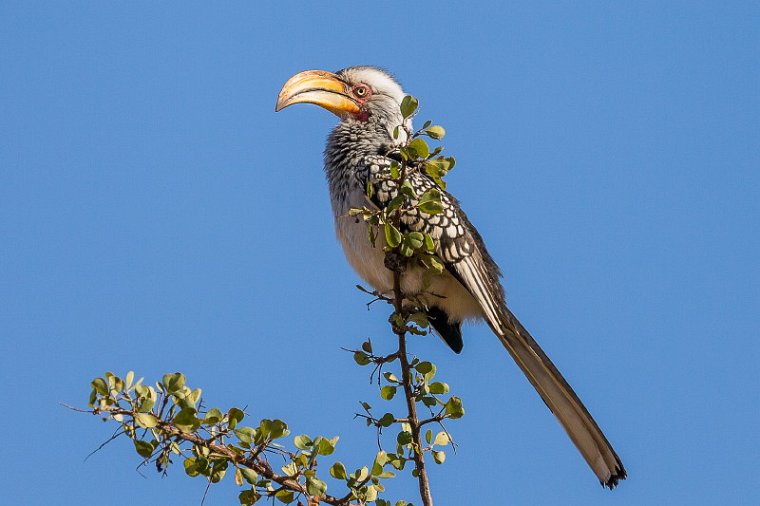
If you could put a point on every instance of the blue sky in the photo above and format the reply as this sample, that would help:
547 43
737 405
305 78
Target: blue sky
157 215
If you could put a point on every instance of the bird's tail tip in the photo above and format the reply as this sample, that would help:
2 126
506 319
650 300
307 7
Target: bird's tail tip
618 474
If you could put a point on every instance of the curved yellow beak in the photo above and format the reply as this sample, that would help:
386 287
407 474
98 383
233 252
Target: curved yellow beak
317 87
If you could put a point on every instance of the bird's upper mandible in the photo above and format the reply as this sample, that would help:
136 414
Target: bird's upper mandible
354 93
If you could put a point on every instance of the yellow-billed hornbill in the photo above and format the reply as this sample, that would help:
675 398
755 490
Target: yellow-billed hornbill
367 101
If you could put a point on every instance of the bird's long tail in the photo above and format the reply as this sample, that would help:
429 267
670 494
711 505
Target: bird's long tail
561 399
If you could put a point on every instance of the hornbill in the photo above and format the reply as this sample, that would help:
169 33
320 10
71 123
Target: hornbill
359 153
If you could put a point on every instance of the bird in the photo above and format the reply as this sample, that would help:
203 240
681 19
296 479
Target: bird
359 154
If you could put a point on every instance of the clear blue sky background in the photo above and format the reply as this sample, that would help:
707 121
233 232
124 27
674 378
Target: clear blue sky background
157 215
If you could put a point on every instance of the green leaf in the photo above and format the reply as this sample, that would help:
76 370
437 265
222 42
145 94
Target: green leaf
429 243
246 434
290 469
284 495
187 398
361 358
397 461
315 487
129 379
213 417
425 367
454 408
146 420
439 388
416 239
420 319
404 437
100 386
409 105
387 392
405 250
430 202
439 456
412 241
436 173
389 376
249 475
191 467
149 400
395 173
144 448
408 190
370 494
395 203
429 401
218 471
202 463
234 416
361 474
392 235
325 446
173 382
436 132
115 384
380 460
420 147
303 442
436 264
338 471
273 429
386 420
186 420
248 497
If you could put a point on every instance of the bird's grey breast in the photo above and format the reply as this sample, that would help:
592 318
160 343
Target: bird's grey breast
347 191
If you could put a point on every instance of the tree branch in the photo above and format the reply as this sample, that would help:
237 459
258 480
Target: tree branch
411 406
253 462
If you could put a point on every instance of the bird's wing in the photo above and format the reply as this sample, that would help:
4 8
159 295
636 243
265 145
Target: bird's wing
466 258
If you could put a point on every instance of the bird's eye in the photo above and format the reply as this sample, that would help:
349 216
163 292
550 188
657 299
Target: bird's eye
361 91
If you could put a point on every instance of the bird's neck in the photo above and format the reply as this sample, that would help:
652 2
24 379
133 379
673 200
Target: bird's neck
349 143
355 138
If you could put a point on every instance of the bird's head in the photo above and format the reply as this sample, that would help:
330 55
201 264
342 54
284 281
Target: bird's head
364 94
